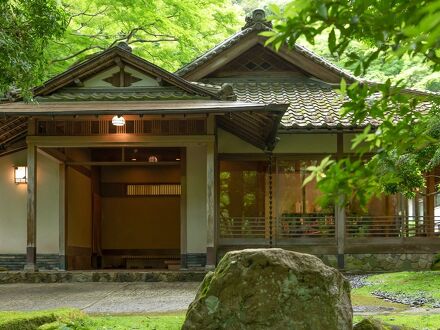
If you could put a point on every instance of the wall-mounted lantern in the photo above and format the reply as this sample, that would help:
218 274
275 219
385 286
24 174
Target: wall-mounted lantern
20 174
118 121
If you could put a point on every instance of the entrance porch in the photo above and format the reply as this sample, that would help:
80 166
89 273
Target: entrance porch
139 204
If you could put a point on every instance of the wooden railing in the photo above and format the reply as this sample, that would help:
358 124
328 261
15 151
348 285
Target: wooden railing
305 226
281 228
242 227
392 226
321 226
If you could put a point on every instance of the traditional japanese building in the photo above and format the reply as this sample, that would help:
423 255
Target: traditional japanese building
121 164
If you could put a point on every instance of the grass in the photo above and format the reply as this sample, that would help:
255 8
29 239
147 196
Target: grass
408 283
425 322
72 319
35 319
369 300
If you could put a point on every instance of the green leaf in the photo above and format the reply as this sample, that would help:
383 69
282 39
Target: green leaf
332 41
322 11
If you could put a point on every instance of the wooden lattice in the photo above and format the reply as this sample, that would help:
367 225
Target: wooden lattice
105 127
257 59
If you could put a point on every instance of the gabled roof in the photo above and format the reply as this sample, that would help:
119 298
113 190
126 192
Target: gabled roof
312 97
103 85
118 55
248 37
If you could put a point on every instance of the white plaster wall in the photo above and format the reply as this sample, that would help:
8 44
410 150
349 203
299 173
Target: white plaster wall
196 199
288 144
48 176
230 143
306 143
97 80
13 205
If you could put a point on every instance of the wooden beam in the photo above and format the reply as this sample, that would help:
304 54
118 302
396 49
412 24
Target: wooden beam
118 140
62 215
31 247
183 210
430 203
340 233
210 206
219 61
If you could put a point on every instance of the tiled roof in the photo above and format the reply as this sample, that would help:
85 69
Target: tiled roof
133 94
313 104
257 27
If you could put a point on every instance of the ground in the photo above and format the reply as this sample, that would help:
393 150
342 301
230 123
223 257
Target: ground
114 298
163 304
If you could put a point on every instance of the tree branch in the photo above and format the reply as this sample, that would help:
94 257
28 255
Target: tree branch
76 54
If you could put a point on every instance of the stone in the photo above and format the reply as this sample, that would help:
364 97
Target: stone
271 289
373 324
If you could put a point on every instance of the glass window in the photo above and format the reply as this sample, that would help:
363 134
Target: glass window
242 188
294 198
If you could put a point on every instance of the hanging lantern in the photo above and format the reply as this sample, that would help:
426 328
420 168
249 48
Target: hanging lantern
118 121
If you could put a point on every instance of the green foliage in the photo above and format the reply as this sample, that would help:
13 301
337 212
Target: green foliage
26 27
390 28
405 138
72 319
168 33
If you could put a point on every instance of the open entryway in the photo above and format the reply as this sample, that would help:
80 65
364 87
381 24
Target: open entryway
123 208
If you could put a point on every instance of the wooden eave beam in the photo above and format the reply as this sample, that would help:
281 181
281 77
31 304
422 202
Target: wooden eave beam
222 58
246 135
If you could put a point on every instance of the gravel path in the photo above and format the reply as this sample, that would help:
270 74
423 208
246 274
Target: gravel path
357 281
99 297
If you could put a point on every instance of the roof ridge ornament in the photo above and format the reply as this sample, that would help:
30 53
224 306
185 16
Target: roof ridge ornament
125 46
257 20
226 92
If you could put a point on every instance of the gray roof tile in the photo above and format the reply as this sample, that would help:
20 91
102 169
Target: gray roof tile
312 103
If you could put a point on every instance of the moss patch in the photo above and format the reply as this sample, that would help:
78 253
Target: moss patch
426 322
408 283
369 300
33 320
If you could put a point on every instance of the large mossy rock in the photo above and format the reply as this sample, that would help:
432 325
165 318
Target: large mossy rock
373 324
271 289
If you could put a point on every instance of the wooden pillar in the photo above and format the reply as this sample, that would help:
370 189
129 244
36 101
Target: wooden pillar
429 222
340 232
183 211
210 206
62 216
95 180
31 247
340 211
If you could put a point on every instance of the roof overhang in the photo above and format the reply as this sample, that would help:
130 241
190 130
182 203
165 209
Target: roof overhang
255 123
257 128
130 107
